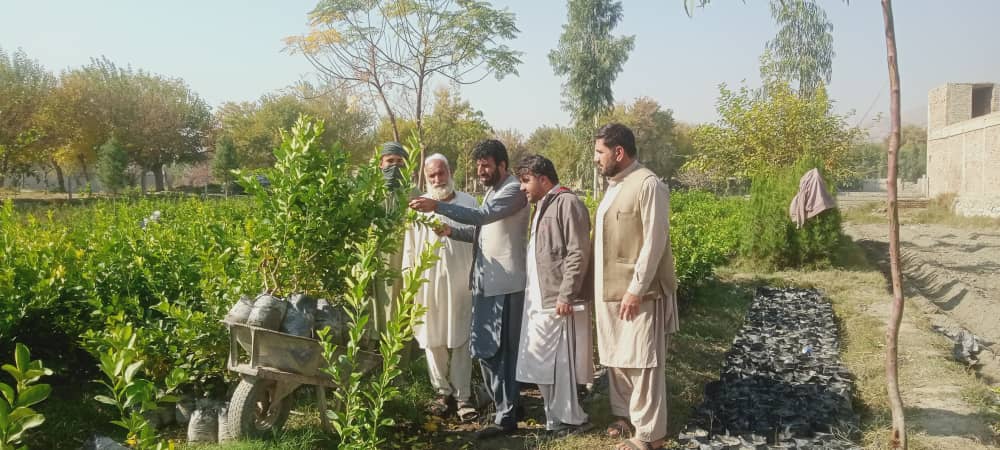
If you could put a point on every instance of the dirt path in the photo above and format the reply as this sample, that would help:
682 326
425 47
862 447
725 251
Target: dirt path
951 282
957 271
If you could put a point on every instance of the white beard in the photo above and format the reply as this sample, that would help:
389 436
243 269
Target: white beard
440 193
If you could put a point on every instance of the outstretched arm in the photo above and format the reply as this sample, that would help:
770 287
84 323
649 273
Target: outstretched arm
505 203
463 233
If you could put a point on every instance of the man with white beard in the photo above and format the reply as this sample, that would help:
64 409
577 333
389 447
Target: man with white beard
446 324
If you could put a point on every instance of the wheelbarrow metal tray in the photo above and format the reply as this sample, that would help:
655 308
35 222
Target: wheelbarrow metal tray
274 350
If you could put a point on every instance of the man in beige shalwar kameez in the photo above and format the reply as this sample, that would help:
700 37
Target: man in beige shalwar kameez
635 289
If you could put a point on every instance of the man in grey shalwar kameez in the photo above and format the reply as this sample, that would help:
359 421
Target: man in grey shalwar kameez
498 230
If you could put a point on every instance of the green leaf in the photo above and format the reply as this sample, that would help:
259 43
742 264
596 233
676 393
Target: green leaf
106 400
19 414
131 370
22 356
176 377
33 394
34 374
8 393
13 371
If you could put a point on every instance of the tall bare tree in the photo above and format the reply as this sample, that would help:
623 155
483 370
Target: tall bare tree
892 334
395 48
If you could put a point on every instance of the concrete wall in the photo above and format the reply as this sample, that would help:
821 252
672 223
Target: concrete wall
76 182
963 153
903 188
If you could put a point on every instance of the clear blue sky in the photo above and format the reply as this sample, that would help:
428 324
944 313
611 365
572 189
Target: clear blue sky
230 50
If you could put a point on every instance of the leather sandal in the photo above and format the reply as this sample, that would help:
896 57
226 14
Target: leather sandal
466 412
620 428
440 406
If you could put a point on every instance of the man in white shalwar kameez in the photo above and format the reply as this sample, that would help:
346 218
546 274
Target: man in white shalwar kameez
556 347
444 333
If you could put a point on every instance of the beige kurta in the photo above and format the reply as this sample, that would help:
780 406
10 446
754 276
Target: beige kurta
641 342
446 295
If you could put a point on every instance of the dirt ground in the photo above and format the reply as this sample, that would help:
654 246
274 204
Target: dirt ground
956 270
950 283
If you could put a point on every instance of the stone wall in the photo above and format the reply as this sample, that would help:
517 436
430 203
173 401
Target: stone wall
963 152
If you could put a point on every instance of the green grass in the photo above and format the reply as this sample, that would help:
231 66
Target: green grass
71 417
295 437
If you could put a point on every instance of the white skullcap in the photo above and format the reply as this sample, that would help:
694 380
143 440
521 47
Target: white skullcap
438 157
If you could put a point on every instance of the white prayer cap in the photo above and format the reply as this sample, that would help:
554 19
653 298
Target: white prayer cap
438 157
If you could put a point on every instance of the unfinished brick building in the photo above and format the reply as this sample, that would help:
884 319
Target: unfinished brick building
963 146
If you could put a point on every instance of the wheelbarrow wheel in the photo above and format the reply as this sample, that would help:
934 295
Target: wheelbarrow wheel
251 414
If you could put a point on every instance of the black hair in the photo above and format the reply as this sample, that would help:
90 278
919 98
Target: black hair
491 148
615 134
538 165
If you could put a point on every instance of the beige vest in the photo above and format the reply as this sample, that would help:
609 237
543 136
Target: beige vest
622 238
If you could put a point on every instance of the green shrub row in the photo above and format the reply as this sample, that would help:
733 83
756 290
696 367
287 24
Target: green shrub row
705 232
73 271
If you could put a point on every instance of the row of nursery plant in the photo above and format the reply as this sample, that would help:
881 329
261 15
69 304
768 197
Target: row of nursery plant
135 289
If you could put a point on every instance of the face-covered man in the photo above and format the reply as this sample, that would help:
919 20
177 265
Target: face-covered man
393 157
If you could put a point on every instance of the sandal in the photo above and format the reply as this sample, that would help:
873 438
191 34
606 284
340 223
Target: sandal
439 407
629 444
620 428
466 412
573 430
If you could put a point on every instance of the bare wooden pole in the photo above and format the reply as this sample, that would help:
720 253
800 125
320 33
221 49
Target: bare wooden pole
898 438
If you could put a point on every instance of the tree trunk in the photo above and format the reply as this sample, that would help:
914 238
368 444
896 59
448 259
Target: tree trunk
898 438
4 162
83 167
60 178
420 133
158 177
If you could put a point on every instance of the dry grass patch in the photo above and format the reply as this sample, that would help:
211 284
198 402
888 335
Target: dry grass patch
938 211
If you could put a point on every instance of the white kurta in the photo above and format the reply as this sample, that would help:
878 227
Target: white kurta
446 294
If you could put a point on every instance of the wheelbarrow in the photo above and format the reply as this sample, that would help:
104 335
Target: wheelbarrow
272 365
